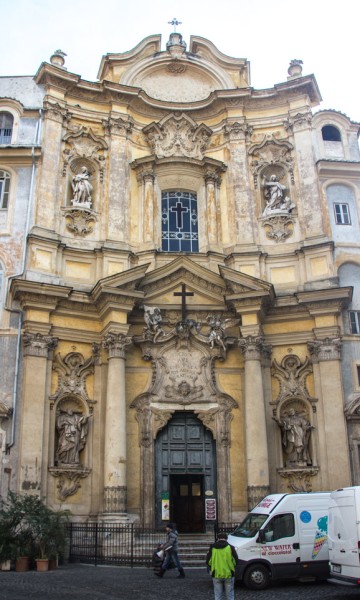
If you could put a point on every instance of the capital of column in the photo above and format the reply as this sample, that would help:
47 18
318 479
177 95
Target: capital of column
326 349
212 177
253 347
37 344
115 344
118 126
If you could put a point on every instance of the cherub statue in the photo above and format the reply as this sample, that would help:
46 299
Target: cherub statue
217 330
153 318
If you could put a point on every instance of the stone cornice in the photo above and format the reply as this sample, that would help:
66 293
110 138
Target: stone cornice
32 294
338 168
325 301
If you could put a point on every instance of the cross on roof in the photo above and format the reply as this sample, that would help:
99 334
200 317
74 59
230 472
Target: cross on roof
183 295
175 22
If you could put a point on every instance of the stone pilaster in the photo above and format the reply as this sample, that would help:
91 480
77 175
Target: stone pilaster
115 427
47 206
241 209
118 128
37 349
148 212
255 421
299 124
212 184
333 452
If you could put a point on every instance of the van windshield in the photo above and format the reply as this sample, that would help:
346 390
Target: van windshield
250 525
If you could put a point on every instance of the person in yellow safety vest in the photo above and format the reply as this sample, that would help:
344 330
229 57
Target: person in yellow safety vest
222 560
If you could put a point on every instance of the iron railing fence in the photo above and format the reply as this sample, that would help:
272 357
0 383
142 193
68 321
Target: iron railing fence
119 544
227 527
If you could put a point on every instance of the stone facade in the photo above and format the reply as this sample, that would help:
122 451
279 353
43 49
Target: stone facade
174 243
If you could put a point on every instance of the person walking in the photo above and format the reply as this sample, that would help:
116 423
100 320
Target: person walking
222 560
171 552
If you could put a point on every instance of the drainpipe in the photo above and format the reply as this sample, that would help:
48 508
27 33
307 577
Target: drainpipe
20 274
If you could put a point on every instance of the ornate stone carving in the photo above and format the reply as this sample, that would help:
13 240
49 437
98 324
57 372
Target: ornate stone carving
326 349
296 431
115 499
72 371
275 195
278 228
183 392
37 344
69 480
291 375
178 135
118 126
298 121
56 112
218 327
80 221
153 318
275 155
252 347
115 344
236 132
299 480
82 148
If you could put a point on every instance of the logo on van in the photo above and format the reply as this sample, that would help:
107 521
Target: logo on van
320 535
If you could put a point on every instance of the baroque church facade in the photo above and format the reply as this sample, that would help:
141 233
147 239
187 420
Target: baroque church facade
180 271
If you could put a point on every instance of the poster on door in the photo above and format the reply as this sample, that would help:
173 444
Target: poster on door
165 506
210 509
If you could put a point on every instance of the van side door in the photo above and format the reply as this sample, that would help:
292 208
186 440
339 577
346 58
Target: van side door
281 545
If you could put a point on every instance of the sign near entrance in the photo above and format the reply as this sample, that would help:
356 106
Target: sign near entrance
210 509
165 506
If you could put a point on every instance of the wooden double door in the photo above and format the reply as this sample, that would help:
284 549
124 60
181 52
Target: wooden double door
185 472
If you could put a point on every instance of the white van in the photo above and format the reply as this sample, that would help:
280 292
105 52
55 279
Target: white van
344 534
283 537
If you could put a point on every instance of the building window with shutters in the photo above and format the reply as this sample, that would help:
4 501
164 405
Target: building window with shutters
6 127
342 214
179 222
4 190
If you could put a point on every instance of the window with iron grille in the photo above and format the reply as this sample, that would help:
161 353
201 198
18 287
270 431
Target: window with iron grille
6 127
4 189
342 214
179 222
354 316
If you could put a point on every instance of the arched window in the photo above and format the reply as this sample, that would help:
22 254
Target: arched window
330 134
4 189
6 127
179 219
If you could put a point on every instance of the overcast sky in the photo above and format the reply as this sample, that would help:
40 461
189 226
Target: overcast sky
324 34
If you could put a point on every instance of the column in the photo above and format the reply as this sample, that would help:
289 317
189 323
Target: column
212 183
334 459
255 421
34 412
115 501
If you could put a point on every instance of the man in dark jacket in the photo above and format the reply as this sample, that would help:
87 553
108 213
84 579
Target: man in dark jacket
222 560
171 551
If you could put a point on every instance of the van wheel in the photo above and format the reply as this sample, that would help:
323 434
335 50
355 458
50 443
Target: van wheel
257 577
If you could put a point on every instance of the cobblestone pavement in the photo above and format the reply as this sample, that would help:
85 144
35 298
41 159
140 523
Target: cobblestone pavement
79 582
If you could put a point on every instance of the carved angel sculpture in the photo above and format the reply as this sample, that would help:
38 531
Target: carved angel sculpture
217 330
153 318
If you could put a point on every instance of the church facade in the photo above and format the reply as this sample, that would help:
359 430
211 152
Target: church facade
180 264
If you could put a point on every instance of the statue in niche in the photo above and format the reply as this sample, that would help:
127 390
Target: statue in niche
153 319
276 200
82 188
217 330
72 429
296 430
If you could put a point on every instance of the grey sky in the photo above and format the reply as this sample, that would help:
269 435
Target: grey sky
322 33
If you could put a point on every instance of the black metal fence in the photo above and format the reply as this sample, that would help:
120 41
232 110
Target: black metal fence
118 544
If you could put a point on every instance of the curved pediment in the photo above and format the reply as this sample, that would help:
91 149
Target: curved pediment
176 75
